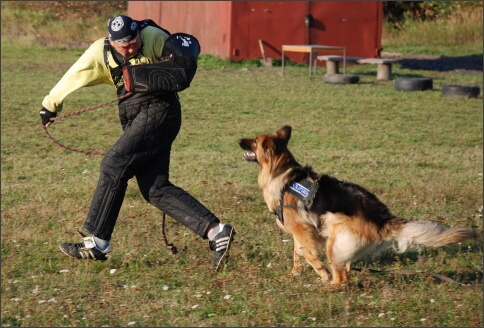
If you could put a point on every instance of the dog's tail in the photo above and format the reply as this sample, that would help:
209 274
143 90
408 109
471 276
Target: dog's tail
429 234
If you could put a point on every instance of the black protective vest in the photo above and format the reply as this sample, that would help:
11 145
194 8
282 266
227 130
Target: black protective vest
117 72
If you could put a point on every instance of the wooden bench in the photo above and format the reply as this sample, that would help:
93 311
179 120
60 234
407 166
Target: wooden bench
384 66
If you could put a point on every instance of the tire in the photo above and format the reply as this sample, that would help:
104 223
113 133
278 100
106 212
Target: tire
341 78
460 90
413 84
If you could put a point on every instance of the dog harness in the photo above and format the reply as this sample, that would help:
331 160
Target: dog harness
304 190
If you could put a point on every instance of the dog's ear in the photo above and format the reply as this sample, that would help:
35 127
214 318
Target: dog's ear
284 132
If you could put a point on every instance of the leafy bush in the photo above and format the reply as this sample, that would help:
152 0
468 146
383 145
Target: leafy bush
396 13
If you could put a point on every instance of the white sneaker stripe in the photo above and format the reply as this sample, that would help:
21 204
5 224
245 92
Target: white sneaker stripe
221 240
222 244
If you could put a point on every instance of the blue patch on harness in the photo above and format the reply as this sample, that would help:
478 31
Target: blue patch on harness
304 190
299 188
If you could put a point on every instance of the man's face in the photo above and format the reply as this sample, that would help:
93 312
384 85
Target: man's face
128 49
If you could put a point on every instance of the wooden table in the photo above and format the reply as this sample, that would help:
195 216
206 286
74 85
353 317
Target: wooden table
313 48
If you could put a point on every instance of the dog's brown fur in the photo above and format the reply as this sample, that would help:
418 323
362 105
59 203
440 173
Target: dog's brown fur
350 220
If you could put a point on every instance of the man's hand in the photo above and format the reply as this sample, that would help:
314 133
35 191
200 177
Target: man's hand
45 116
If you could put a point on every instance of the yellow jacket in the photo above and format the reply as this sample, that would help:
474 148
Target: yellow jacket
90 68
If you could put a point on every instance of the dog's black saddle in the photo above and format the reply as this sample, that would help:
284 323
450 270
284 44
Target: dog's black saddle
304 190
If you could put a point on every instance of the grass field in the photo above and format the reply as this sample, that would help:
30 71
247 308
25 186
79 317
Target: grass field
420 152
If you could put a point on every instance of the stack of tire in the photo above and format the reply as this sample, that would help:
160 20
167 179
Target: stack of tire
341 78
410 84
413 84
422 83
460 91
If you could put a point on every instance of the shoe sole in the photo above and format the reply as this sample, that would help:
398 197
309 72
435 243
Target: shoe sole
225 255
65 252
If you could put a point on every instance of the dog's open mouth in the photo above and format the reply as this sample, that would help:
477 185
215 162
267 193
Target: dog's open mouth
250 157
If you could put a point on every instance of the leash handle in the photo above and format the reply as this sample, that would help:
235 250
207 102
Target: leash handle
87 152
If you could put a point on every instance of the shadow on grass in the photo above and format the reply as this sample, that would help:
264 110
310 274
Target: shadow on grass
444 63
386 263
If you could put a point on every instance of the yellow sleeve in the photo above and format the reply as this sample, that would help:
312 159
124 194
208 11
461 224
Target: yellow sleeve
88 70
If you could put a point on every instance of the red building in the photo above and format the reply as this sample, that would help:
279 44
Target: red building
232 29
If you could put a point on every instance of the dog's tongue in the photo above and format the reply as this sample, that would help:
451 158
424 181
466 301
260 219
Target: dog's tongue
250 157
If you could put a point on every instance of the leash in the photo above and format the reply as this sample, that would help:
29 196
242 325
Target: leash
87 109
170 246
86 152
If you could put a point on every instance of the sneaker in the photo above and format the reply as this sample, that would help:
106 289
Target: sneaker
85 250
221 244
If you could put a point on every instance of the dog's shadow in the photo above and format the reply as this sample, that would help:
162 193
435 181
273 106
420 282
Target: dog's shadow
391 263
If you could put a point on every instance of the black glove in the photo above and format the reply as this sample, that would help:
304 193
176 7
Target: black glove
46 115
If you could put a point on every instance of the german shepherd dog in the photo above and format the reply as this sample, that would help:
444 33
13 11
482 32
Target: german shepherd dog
315 209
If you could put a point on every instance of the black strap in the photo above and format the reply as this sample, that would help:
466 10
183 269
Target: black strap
170 246
116 72
149 22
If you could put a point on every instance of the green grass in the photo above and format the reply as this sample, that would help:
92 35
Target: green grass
420 152
48 22
459 34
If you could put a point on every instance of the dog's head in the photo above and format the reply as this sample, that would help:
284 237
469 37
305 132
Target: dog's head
266 148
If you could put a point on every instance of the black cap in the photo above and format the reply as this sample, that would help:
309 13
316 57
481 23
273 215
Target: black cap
122 29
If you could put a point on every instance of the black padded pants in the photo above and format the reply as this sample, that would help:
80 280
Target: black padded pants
150 126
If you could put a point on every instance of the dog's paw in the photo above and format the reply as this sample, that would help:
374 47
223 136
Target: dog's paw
296 271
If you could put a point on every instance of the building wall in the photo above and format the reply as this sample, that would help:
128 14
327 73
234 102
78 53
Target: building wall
208 21
232 29
356 25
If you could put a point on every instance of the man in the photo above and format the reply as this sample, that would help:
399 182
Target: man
150 121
